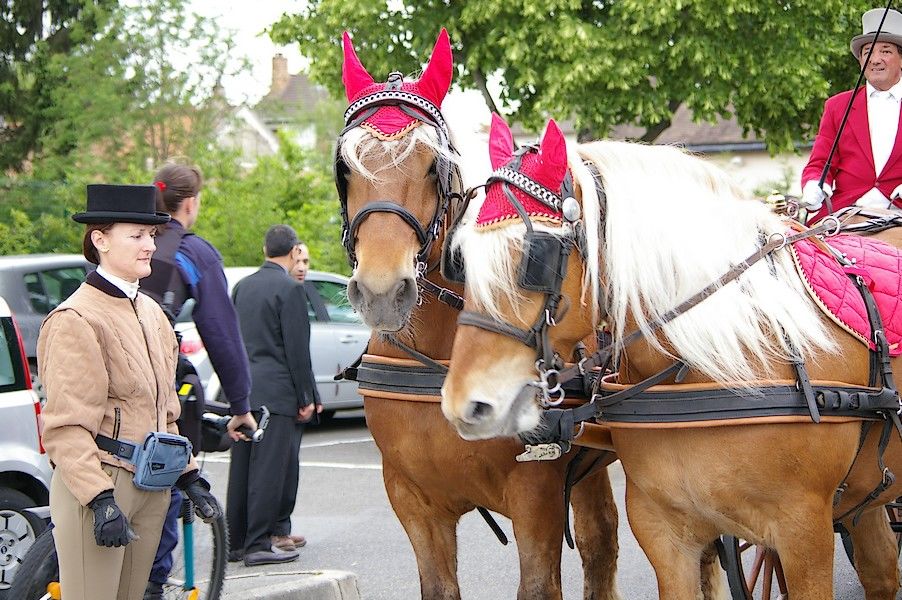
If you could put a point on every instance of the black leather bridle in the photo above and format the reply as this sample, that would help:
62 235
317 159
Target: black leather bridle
446 171
543 269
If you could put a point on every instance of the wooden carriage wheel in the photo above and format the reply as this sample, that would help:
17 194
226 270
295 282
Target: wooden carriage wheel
753 572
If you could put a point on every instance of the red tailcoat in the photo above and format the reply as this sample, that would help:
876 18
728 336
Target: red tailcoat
851 172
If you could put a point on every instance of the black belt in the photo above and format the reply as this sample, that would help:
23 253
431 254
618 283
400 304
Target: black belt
121 448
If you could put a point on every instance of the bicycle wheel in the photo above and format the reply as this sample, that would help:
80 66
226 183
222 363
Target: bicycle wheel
199 560
39 569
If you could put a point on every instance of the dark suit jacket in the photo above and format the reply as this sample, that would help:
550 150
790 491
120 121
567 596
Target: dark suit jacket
851 172
272 312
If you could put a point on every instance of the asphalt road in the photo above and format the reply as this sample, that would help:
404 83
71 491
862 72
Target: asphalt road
343 511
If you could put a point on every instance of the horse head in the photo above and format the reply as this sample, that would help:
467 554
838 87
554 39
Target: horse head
523 260
396 171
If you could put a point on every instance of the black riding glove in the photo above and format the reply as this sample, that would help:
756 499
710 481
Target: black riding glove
111 528
198 491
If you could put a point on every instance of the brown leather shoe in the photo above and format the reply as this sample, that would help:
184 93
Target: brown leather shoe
288 542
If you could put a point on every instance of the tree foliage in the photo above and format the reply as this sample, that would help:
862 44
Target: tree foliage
140 89
609 62
33 33
294 187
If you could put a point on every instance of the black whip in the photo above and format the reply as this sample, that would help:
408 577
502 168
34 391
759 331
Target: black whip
845 117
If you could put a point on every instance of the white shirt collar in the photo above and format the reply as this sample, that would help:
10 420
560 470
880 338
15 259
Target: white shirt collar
895 91
128 288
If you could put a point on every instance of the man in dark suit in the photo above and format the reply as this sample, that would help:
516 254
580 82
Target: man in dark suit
272 312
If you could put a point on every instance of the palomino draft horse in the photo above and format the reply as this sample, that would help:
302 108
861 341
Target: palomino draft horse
718 435
396 173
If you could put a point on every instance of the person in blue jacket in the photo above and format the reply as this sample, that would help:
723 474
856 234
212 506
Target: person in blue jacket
184 266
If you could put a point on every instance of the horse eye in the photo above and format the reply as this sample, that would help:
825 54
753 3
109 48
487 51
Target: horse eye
433 169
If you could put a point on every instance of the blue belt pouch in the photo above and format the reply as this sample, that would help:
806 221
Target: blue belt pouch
161 459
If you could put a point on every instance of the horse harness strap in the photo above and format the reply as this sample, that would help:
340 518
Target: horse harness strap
810 398
443 295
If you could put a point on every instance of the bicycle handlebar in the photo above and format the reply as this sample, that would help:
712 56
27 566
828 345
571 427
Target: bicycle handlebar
221 423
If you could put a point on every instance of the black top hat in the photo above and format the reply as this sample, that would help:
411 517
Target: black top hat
122 204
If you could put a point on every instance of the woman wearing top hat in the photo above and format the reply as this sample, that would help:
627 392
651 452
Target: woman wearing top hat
107 356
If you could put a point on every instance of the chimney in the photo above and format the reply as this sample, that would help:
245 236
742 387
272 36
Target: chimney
279 75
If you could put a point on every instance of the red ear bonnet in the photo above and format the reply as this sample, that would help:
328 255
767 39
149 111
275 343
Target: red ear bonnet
552 158
353 74
501 142
389 122
547 167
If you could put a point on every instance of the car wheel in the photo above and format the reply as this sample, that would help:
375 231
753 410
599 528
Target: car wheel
18 530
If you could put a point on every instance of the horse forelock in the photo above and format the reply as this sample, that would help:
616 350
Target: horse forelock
675 223
359 148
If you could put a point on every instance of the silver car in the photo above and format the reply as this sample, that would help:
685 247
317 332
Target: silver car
337 339
24 469
35 284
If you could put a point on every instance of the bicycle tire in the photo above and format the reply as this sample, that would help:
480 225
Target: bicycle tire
211 549
39 567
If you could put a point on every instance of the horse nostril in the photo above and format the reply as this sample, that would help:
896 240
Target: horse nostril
477 411
356 292
406 292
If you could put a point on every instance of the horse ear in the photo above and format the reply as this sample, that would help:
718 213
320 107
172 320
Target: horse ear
436 79
353 74
553 153
501 142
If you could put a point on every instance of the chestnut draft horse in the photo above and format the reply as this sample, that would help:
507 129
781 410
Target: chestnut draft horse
395 172
663 226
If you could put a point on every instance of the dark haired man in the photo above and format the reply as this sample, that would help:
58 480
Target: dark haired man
867 167
272 313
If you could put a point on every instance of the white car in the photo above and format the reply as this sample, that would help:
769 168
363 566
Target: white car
24 469
337 338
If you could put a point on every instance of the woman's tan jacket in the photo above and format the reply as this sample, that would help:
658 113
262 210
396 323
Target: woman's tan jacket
108 367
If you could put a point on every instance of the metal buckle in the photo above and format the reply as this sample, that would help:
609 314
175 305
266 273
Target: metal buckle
781 237
835 230
549 320
540 452
582 429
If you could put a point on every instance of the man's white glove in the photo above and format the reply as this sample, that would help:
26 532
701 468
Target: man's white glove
813 196
897 193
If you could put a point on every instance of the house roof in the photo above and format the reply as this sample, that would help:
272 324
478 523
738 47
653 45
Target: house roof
723 135
297 95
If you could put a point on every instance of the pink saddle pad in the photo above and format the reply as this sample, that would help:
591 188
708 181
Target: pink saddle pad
829 285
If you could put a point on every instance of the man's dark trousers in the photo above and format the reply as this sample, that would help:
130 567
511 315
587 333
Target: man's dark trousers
253 510
290 493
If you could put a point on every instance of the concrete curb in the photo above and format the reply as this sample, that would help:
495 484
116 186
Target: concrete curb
303 585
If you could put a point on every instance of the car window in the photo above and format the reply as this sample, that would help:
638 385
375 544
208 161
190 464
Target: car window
335 296
47 289
12 375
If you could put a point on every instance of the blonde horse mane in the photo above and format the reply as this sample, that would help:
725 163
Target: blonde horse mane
673 224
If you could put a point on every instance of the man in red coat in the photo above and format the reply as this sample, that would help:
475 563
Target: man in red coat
866 169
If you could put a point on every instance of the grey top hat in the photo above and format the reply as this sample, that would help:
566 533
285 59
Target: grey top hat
890 32
122 204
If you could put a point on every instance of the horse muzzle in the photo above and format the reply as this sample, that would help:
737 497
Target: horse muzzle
385 311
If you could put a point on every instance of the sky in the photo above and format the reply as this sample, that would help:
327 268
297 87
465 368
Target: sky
465 112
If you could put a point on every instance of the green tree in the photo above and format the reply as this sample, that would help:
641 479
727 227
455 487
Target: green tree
294 187
32 34
113 107
608 62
